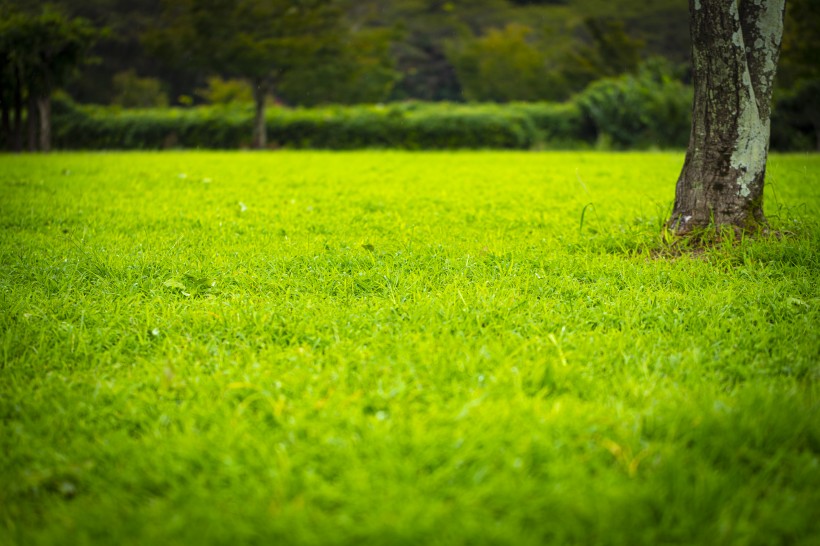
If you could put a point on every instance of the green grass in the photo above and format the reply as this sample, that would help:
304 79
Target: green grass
396 348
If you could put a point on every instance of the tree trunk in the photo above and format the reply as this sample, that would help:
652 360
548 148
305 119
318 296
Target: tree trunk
5 123
44 109
31 122
6 101
735 49
260 132
17 129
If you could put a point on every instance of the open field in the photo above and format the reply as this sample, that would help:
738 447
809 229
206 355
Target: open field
400 348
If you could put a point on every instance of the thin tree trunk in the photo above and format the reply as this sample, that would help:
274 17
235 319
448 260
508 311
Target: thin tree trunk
260 133
735 49
5 123
44 109
31 122
17 129
5 103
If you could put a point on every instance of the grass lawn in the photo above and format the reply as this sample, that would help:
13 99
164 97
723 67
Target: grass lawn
400 348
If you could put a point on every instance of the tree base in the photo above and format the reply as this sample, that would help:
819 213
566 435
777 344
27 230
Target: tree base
688 225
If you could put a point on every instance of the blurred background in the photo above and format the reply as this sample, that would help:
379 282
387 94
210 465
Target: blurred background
305 53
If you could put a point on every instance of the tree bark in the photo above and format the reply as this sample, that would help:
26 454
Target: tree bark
44 109
260 132
31 122
735 49
6 102
5 123
17 128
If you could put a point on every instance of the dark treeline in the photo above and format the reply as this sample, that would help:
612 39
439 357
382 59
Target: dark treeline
155 53
38 54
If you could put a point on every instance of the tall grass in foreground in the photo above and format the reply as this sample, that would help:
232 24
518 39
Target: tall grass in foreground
396 348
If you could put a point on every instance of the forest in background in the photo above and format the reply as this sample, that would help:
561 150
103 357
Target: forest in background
157 53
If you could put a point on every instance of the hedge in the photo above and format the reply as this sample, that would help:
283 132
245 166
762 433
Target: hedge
649 109
95 127
407 126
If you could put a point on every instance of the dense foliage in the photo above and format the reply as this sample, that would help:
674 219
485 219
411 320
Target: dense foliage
373 50
637 111
647 110
590 54
37 55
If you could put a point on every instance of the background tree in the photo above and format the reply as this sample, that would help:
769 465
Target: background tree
507 65
132 91
11 79
113 52
257 40
735 49
385 49
606 50
796 120
40 52
425 27
219 91
359 65
801 44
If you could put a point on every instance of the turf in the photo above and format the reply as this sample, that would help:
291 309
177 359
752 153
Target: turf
401 348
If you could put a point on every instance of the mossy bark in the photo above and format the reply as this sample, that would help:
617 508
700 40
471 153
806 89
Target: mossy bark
735 49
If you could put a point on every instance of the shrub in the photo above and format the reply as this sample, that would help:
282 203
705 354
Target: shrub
131 91
96 127
559 125
219 91
649 109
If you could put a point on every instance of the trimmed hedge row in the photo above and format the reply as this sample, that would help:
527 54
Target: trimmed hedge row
413 127
94 127
407 126
646 109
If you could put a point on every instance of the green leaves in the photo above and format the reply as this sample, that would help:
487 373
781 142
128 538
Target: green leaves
651 108
190 285
43 49
251 39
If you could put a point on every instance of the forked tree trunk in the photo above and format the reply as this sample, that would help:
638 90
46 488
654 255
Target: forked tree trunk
735 49
44 109
260 133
